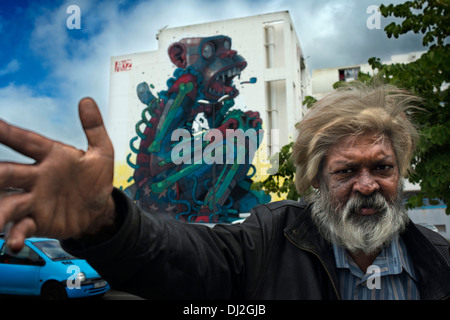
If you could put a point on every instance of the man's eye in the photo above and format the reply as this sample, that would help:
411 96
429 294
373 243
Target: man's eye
383 167
345 171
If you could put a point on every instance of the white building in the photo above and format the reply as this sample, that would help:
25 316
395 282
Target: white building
323 79
267 42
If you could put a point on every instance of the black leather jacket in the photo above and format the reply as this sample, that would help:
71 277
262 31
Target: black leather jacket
277 253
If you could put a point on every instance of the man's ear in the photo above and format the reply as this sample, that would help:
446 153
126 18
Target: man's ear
315 183
177 54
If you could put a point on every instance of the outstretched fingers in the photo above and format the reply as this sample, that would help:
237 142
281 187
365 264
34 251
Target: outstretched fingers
16 175
65 184
25 142
14 207
19 231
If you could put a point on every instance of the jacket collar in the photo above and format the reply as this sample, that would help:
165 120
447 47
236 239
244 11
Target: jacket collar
428 260
303 233
430 256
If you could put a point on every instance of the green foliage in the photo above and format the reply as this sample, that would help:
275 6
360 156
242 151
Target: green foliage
427 77
282 182
309 101
429 17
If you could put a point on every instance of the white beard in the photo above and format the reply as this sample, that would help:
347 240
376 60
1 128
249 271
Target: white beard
355 232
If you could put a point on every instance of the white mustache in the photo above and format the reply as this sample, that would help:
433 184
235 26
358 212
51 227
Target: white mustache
375 201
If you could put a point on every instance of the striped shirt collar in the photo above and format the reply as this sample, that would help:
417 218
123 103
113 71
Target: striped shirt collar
392 259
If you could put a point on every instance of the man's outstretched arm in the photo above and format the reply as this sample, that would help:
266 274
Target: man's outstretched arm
66 192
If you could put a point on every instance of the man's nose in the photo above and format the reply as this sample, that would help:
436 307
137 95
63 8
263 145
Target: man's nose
366 184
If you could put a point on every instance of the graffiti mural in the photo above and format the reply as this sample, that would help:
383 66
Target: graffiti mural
194 158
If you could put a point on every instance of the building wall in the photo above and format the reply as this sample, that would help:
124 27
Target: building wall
269 44
432 215
323 79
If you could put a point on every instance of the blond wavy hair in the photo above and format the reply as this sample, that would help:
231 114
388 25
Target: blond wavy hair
353 110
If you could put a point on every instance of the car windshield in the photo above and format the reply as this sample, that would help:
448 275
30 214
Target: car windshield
53 250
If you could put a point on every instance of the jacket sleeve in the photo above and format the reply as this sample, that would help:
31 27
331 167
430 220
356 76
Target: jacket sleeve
160 258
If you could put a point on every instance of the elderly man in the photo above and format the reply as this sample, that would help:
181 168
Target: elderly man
350 239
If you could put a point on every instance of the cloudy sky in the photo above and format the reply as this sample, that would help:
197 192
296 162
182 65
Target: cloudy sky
45 68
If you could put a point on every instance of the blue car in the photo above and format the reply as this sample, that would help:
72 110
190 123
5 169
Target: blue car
43 268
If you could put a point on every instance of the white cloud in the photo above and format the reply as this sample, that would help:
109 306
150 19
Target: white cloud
11 67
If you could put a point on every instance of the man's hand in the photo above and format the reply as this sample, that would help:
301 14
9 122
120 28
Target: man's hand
67 192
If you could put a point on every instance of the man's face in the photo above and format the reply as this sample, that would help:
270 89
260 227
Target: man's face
364 165
359 204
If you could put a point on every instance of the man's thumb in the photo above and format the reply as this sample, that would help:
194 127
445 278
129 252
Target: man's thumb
92 123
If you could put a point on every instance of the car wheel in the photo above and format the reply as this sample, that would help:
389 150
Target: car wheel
53 291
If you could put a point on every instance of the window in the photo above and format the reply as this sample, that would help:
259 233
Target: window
53 250
26 256
348 74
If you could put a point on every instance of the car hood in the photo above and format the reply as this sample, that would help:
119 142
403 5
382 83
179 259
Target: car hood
83 265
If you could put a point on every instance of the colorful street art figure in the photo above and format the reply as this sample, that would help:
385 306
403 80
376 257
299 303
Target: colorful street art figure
194 160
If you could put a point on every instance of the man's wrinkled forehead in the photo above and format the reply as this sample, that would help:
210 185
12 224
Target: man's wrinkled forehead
375 148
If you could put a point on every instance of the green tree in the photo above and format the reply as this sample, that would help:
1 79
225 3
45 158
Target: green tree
429 78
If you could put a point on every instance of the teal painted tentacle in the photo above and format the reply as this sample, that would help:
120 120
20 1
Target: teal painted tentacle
193 191
249 176
217 212
171 199
132 147
138 129
228 205
145 120
131 164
